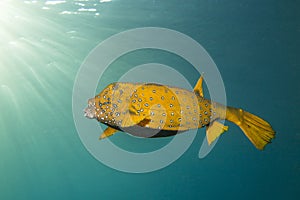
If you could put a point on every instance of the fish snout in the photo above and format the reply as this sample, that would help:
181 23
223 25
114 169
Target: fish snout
89 113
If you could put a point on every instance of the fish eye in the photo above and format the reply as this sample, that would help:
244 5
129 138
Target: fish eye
104 103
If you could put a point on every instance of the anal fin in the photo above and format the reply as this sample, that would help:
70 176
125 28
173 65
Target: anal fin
107 132
214 131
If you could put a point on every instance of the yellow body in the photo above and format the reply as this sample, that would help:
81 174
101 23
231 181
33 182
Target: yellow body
153 110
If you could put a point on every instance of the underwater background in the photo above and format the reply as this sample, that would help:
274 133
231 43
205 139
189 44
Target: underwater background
255 45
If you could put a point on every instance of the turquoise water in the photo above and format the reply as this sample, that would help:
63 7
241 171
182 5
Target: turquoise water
42 45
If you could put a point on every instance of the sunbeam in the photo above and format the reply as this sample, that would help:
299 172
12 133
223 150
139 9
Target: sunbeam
31 41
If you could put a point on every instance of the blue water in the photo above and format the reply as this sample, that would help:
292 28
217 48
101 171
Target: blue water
255 45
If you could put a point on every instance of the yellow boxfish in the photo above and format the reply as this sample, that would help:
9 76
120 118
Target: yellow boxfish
153 110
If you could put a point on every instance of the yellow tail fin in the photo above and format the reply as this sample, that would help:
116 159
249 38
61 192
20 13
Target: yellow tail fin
258 131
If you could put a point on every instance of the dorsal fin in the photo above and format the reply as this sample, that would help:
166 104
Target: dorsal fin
198 87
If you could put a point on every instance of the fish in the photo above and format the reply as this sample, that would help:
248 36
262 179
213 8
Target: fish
152 110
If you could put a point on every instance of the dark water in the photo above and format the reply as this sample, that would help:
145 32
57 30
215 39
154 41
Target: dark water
254 44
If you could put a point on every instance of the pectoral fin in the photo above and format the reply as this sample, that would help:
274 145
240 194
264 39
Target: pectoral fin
198 87
214 131
144 122
136 118
107 132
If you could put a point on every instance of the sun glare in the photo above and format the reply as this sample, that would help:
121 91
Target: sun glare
31 40
6 17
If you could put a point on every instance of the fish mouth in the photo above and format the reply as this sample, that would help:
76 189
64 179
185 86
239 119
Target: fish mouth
89 113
